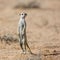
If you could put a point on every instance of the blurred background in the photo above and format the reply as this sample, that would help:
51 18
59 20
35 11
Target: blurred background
43 29
47 4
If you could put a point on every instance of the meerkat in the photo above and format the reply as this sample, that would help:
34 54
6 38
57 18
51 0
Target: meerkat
22 32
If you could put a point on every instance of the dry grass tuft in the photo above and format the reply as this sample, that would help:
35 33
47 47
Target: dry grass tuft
32 4
8 38
35 57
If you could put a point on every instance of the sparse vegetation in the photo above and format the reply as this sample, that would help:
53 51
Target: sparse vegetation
33 57
32 4
9 38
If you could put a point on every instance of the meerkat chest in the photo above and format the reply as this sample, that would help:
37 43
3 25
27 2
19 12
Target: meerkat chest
22 24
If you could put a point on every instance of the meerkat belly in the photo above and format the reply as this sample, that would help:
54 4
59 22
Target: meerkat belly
22 31
21 28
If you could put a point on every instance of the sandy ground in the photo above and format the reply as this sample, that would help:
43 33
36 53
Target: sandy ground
43 34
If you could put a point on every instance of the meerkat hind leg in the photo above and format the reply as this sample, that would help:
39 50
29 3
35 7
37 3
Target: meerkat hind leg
24 46
21 43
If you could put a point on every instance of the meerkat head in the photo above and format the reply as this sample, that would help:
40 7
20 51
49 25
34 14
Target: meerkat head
23 15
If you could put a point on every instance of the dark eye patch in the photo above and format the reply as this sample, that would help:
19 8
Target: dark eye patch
22 14
25 14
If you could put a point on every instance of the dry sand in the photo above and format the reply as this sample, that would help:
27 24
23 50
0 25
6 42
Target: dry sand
43 34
